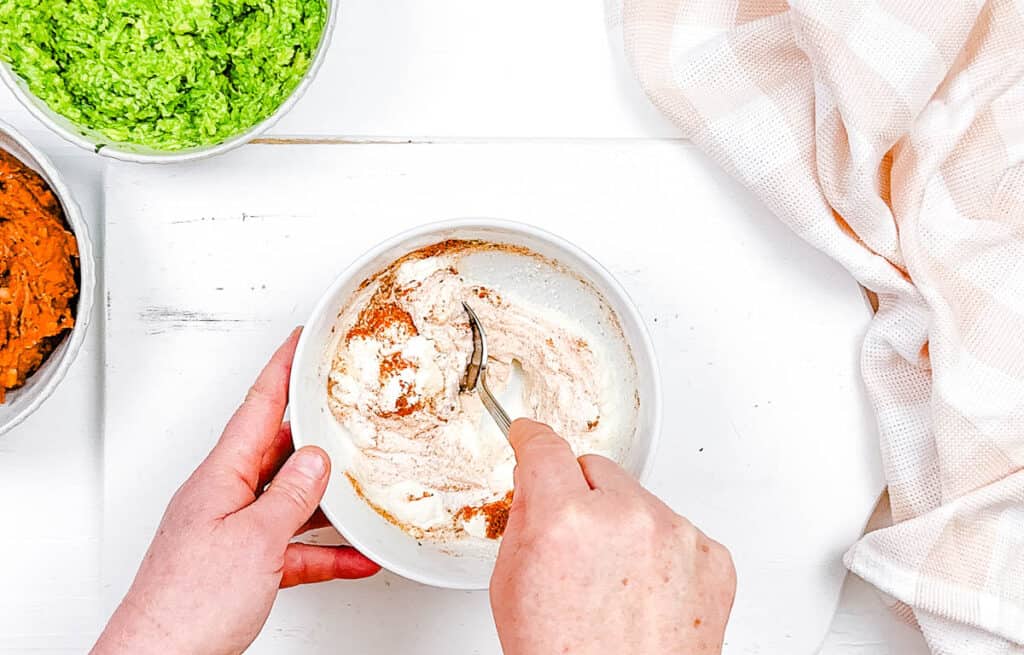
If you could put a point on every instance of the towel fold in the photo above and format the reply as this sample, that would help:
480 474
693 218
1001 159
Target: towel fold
890 134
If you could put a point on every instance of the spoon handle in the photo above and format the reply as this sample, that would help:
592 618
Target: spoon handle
493 408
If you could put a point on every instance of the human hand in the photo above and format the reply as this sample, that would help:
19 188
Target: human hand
592 563
223 549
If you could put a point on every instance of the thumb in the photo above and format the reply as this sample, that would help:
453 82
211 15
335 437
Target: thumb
294 493
545 464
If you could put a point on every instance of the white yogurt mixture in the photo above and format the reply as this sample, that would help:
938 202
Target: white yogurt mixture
426 456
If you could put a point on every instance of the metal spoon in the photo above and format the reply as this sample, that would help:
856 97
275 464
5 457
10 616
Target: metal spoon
476 373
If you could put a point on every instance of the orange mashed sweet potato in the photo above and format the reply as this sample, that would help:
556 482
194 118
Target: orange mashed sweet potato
38 267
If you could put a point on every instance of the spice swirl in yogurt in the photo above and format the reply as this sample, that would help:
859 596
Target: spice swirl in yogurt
426 457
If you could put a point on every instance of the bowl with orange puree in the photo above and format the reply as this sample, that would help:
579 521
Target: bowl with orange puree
46 278
422 479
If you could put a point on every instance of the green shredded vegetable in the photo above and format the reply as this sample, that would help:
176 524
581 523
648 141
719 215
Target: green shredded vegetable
163 74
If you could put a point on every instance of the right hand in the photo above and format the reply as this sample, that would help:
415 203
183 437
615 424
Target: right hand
592 563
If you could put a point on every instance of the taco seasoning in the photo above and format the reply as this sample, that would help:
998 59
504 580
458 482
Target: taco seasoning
38 267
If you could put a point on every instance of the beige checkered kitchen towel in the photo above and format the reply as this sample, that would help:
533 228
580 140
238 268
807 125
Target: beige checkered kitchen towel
890 134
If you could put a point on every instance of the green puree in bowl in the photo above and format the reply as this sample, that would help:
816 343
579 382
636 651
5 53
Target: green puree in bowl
163 74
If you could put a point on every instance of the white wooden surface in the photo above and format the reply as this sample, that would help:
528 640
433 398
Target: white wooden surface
444 71
766 428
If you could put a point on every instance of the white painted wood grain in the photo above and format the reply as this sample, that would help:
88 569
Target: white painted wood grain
486 69
768 443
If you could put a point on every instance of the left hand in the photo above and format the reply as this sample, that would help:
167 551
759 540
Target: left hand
224 547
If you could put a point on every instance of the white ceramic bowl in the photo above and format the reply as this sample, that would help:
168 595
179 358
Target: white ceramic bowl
91 140
313 423
22 402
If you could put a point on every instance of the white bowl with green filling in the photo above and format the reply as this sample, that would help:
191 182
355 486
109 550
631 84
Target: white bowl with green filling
126 149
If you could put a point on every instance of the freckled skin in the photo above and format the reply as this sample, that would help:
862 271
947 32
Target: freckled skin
592 563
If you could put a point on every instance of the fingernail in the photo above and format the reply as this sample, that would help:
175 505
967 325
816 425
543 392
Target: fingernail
310 463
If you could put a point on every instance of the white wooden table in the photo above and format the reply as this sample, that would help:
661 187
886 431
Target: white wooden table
440 75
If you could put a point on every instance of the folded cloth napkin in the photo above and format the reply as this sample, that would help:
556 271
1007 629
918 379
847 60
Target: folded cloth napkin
890 134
